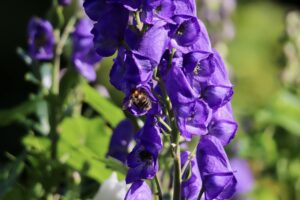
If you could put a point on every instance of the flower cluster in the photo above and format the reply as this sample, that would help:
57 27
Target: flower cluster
169 72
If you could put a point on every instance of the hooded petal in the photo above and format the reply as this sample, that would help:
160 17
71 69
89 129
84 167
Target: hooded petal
216 173
178 87
96 9
222 125
109 31
153 43
217 96
142 164
192 118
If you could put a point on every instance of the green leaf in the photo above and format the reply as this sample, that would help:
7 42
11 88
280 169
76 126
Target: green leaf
83 143
115 165
284 111
18 113
108 110
9 174
34 143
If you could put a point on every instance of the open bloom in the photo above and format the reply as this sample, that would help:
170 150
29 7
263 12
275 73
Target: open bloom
40 39
142 161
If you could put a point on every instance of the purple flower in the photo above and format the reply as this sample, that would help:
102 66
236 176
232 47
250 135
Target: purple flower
185 7
149 135
142 161
120 139
186 31
192 114
192 118
64 2
130 70
217 176
245 179
141 101
40 39
191 185
109 30
84 55
153 43
189 34
96 9
139 190
158 10
223 125
217 95
198 68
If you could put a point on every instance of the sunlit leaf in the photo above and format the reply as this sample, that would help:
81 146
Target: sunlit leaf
284 111
83 142
108 110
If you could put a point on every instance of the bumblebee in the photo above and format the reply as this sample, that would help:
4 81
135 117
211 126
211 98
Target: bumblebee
140 99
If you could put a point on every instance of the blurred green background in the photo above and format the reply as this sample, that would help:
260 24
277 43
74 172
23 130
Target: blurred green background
268 111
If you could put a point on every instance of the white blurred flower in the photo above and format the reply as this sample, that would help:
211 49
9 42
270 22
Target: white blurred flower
112 189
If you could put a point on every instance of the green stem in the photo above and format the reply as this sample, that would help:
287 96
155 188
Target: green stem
191 156
58 52
158 186
54 97
169 129
175 136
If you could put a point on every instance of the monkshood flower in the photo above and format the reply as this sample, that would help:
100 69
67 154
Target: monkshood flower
139 190
189 34
132 74
40 39
223 125
192 113
207 74
110 27
64 2
120 140
84 55
112 189
169 72
217 176
244 176
142 161
192 183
